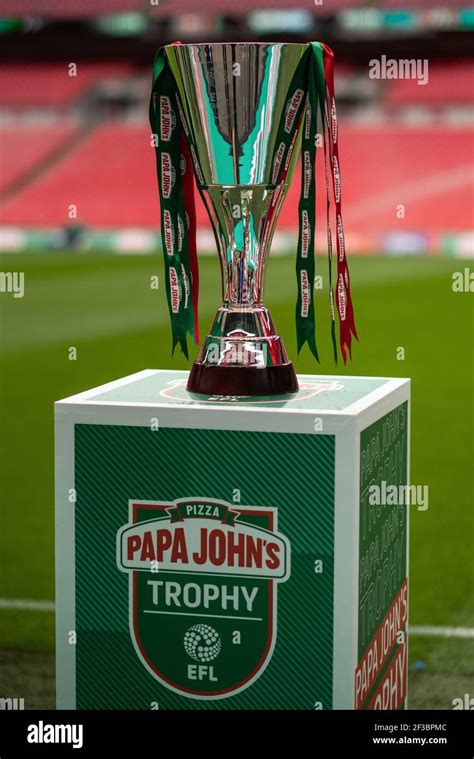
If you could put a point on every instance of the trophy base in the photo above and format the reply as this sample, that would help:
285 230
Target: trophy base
242 355
242 380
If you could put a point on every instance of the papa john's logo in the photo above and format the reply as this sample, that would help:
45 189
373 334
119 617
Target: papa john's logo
203 581
167 118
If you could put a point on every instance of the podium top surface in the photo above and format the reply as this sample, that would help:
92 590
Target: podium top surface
317 393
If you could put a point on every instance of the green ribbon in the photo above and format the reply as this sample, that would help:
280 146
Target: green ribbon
319 84
305 258
173 167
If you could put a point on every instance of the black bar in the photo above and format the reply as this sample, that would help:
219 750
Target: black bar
219 733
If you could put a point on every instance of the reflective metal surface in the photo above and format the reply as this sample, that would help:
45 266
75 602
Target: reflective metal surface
234 98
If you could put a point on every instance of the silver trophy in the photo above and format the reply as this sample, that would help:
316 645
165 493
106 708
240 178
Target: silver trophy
237 102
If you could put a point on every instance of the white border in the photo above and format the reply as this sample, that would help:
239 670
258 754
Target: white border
347 541
65 564
346 570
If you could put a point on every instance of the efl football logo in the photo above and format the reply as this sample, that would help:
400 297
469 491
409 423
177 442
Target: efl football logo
203 577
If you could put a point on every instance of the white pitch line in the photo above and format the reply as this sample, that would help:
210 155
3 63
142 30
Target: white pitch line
23 604
442 632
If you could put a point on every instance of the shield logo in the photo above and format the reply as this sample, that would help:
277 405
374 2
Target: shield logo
203 578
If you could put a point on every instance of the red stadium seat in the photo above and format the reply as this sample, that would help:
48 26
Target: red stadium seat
448 84
110 177
22 148
49 84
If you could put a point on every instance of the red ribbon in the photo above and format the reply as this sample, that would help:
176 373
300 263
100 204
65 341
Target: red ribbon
190 206
343 287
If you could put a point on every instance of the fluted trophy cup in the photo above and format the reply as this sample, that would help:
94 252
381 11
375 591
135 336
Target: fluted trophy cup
235 113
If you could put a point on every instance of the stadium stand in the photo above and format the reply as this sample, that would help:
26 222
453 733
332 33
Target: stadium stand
448 84
402 143
72 9
24 148
49 84
110 177
88 8
422 168
422 4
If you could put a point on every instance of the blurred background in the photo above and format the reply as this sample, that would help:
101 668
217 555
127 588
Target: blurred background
79 220
75 83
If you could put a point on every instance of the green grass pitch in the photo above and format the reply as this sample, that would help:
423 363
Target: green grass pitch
103 306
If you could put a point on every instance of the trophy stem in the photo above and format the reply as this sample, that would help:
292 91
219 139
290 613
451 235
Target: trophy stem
242 354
